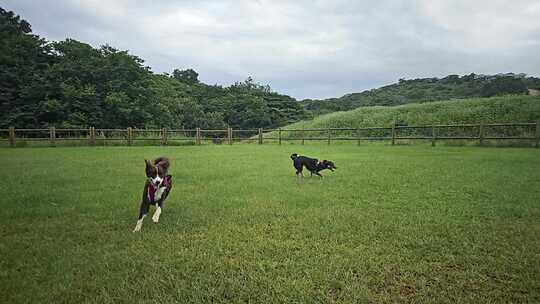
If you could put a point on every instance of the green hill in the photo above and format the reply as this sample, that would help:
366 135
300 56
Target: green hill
427 89
503 109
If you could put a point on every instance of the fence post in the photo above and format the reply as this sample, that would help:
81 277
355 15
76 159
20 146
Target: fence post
481 134
303 135
279 136
537 134
52 136
433 135
260 136
393 133
229 135
358 136
164 136
129 138
328 131
11 136
92 136
198 136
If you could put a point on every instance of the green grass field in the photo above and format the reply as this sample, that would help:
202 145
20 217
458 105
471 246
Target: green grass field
392 224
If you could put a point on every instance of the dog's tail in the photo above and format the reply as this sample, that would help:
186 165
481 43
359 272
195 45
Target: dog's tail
294 156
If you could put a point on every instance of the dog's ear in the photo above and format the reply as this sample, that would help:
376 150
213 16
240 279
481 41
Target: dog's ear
149 168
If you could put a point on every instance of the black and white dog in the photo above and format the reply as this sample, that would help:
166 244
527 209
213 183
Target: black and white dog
156 189
312 164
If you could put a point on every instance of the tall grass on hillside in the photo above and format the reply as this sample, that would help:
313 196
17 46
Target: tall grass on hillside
505 109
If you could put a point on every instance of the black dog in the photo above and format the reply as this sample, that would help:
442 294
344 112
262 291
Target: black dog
312 164
156 189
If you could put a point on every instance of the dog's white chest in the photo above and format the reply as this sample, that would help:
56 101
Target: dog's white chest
159 193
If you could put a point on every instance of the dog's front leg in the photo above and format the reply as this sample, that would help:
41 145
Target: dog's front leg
138 226
160 196
157 213
145 206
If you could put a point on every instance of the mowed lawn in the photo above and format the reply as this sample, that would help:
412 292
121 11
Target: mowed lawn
392 225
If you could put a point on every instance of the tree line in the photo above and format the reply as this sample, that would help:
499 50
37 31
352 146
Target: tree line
72 84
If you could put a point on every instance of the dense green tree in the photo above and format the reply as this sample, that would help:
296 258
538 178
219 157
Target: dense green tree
250 86
504 85
188 76
110 88
24 60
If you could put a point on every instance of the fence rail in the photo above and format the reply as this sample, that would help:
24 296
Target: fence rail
436 132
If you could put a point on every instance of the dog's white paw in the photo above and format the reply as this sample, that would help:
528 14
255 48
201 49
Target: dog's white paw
138 226
156 215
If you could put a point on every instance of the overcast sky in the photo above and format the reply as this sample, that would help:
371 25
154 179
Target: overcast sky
306 49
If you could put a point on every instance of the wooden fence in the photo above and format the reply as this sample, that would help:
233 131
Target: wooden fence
529 132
